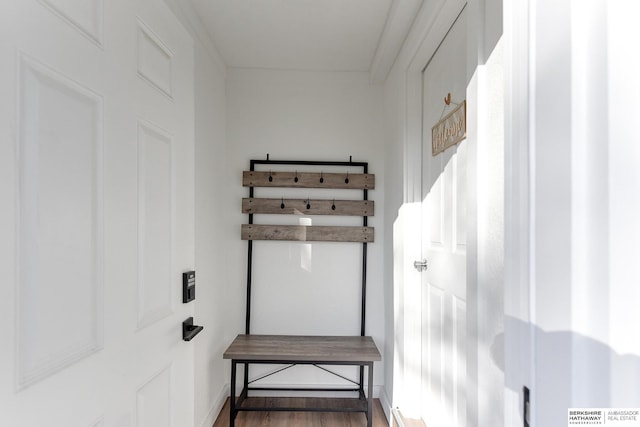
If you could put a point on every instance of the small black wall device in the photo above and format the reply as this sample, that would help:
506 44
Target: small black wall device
188 286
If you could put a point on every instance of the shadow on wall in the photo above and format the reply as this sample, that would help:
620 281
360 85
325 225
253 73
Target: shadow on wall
571 371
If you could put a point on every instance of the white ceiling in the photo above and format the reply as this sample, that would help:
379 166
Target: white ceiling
325 35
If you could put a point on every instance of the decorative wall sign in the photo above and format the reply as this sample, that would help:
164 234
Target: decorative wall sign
449 130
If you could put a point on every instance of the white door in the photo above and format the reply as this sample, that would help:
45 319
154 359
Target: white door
96 218
444 225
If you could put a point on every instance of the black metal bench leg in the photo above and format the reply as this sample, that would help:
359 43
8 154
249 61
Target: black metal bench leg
232 398
370 396
361 392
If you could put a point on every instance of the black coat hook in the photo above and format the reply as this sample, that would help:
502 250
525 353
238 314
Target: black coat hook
270 177
333 205
321 178
346 181
296 177
282 204
308 203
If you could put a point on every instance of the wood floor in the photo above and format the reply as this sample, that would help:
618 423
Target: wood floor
302 419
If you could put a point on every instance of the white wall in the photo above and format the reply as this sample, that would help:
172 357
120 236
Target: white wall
485 259
394 191
518 336
212 237
572 226
306 288
584 207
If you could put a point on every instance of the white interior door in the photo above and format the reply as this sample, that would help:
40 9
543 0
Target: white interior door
444 225
96 219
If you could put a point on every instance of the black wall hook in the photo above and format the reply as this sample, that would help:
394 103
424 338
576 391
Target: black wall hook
282 204
308 203
270 177
333 205
346 181
296 177
321 178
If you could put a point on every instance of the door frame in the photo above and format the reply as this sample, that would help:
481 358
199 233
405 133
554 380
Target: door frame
519 205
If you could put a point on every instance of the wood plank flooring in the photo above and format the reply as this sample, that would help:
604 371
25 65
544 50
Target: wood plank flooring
302 419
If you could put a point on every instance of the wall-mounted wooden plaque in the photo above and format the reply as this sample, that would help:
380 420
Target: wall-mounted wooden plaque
450 130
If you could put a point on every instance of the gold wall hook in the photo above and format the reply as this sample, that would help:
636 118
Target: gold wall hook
447 99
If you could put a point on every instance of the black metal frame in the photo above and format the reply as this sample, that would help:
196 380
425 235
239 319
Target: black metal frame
366 405
235 407
365 196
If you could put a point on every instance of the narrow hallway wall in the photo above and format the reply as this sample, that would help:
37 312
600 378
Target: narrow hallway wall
212 208
297 115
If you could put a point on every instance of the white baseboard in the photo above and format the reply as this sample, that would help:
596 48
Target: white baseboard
218 403
397 418
385 401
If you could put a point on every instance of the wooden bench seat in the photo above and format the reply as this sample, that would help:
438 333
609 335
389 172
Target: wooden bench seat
302 348
312 350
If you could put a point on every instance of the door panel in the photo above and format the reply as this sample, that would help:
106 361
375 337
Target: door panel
435 206
97 188
459 368
85 16
154 59
444 225
153 401
435 336
460 198
155 224
59 223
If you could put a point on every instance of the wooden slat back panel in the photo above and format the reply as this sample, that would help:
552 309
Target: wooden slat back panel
356 181
316 207
303 233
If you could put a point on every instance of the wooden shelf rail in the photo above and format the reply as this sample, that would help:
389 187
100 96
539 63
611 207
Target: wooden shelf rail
315 207
308 233
343 181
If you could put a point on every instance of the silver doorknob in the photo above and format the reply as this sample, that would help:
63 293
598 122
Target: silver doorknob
420 265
